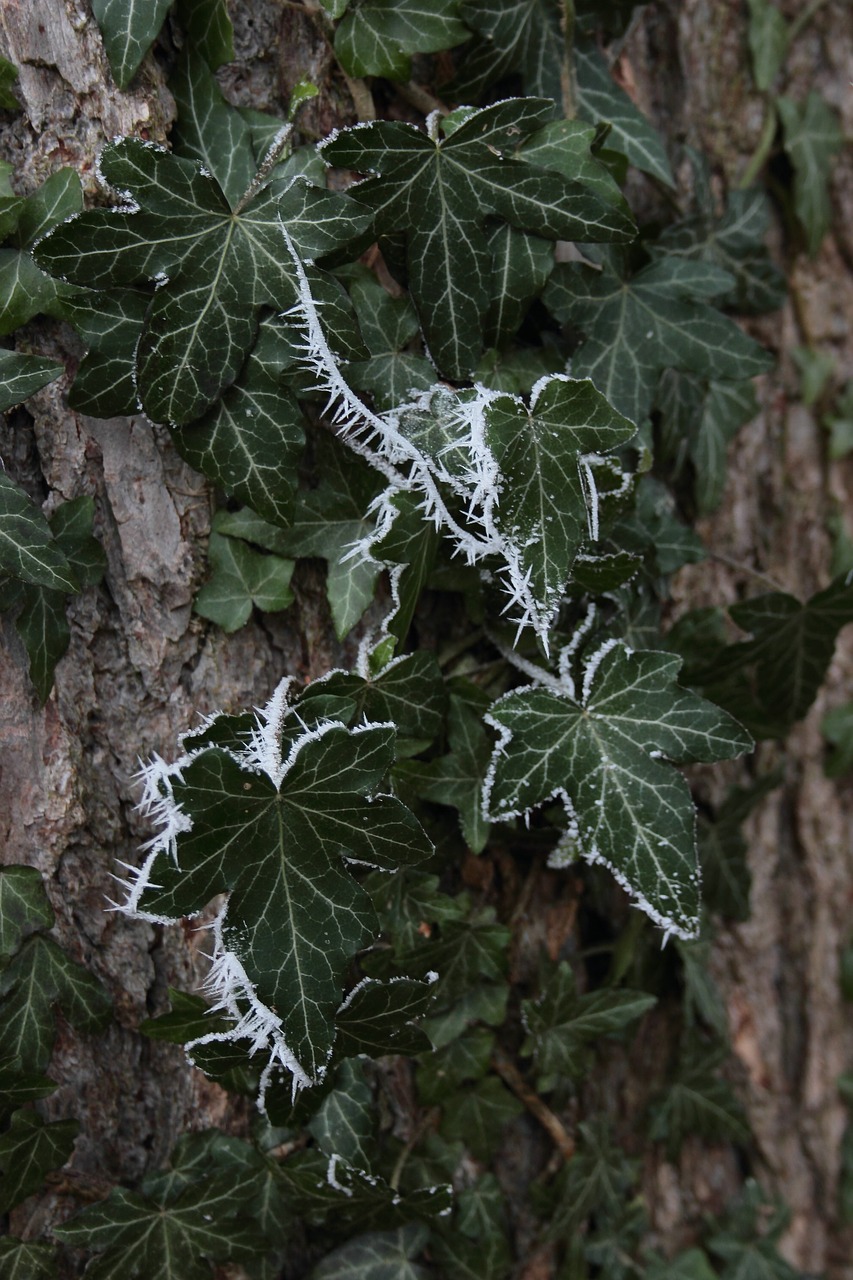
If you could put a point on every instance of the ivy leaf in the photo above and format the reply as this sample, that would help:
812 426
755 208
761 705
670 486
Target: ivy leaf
515 35
208 29
456 779
24 908
439 192
479 1115
24 290
595 1181
707 417
543 452
110 323
441 1072
409 691
28 549
657 320
216 266
597 751
8 79
29 1149
329 521
240 579
39 978
20 1261
188 1019
561 1023
773 678
734 242
837 728
276 839
600 99
654 528
466 952
129 28
144 1238
21 376
345 1123
768 42
40 618
813 138
377 1256
409 903
697 1103
377 1018
748 1238
376 37
392 373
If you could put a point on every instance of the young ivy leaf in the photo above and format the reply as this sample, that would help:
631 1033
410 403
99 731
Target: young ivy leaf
275 828
25 1261
697 1102
813 138
596 1180
128 30
8 80
598 750
393 374
656 320
386 1255
208 29
329 521
376 37
28 548
216 264
240 579
439 193
561 1024
771 680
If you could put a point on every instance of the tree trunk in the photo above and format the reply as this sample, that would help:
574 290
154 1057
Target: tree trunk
142 668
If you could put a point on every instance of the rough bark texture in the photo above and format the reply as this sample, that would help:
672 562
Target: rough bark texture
141 667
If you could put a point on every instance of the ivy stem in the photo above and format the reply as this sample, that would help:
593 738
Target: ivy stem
557 1131
747 568
421 99
765 145
427 1119
803 19
280 144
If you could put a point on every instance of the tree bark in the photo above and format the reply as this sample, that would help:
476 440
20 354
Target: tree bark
142 668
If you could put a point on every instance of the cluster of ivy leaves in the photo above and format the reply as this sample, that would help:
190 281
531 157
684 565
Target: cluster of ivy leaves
353 953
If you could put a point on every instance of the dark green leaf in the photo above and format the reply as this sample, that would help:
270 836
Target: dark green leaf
190 1018
215 267
20 1261
276 839
329 520
21 376
773 678
457 778
240 578
409 691
747 1240
411 546
40 978
41 623
439 193
129 28
379 1256
654 528
599 752
376 37
8 80
697 1103
561 1024
442 1071
28 549
515 35
392 373
376 1018
595 1181
813 138
208 29
145 1239
409 902
600 99
29 1149
479 1115
837 728
345 1123
657 320
24 908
